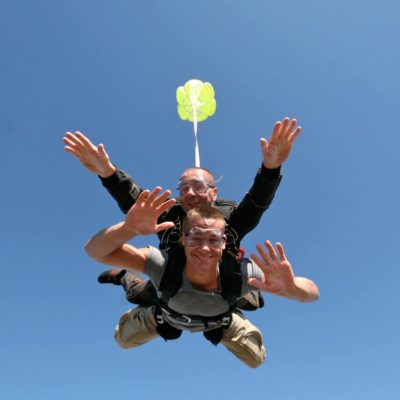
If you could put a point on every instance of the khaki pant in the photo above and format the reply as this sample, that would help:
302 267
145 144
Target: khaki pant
242 338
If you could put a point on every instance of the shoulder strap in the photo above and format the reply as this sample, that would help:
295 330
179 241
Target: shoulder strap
230 278
176 211
171 237
171 280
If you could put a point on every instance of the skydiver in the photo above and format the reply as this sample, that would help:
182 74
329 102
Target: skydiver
196 187
198 305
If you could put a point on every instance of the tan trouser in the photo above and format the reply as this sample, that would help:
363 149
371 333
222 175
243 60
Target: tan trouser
136 327
242 338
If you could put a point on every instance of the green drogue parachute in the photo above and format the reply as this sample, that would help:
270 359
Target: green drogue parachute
196 103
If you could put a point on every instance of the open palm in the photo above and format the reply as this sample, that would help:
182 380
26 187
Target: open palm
276 149
142 218
278 273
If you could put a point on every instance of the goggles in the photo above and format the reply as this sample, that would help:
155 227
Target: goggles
198 186
213 237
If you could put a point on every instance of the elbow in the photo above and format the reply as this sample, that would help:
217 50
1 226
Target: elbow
92 252
315 293
313 296
307 290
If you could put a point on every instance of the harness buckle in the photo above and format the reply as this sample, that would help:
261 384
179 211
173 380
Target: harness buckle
187 319
159 316
226 320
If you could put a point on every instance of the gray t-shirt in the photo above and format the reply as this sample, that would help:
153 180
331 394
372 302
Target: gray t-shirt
189 301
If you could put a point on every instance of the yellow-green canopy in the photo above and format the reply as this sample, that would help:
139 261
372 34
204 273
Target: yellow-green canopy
196 103
196 98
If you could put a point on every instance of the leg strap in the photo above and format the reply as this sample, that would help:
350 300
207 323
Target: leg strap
164 329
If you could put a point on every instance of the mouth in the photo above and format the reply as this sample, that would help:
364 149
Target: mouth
193 203
204 258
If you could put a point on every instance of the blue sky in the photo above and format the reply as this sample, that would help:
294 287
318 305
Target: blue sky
110 69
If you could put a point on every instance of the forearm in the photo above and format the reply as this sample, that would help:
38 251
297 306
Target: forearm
122 188
250 210
303 290
265 185
107 241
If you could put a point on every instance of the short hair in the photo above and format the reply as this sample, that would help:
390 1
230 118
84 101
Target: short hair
202 212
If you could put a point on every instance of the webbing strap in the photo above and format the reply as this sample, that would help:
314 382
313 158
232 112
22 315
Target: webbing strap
231 279
173 274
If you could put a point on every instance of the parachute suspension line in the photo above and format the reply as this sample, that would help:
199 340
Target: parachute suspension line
196 143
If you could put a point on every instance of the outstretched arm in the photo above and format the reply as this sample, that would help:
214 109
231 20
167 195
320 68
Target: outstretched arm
95 159
279 277
275 151
109 245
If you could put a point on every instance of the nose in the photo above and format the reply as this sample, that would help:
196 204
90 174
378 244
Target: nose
205 245
190 192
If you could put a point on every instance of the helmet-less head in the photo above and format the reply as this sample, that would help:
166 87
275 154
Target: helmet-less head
196 188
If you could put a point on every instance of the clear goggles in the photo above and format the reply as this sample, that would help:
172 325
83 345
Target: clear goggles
213 237
198 186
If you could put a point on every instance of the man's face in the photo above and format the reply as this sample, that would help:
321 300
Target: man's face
204 242
196 189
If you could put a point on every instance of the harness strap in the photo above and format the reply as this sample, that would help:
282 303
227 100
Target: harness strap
215 335
164 329
171 280
223 319
168 332
231 279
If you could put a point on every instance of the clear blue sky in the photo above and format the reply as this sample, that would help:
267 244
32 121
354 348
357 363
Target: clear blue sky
110 69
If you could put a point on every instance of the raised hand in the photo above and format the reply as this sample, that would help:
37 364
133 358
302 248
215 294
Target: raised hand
278 272
142 218
276 149
93 158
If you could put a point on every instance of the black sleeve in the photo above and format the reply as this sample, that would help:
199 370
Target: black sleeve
248 213
122 188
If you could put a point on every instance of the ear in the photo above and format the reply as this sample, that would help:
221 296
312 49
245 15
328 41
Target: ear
183 239
214 194
223 245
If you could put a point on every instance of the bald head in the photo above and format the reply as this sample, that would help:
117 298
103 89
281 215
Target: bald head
197 171
191 197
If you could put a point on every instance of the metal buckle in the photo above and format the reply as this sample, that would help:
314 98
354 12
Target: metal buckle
188 320
175 315
159 316
160 319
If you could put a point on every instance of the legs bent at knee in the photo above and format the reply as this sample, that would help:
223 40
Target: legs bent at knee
136 327
244 340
